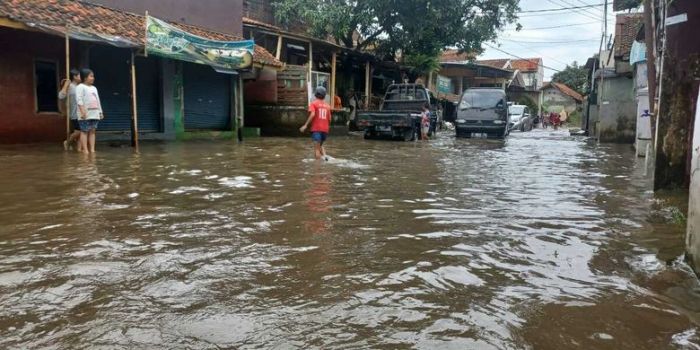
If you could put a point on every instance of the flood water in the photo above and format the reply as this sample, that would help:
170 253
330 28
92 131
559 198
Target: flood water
543 241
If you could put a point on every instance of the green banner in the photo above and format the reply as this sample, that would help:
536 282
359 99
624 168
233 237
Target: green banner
169 41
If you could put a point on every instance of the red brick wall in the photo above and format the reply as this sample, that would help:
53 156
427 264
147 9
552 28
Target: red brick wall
262 90
19 121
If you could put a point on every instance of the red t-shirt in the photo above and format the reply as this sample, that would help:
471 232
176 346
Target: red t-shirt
322 116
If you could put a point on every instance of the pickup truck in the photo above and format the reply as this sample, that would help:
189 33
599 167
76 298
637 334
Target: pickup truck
399 114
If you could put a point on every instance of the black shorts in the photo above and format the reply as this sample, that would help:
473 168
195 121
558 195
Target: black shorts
74 124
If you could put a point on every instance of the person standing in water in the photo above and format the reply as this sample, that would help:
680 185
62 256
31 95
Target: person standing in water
89 109
425 122
68 91
319 118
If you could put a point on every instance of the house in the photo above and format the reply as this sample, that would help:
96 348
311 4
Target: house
517 89
617 107
557 97
277 101
532 70
174 99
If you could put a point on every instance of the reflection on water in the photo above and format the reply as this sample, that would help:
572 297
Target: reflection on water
541 241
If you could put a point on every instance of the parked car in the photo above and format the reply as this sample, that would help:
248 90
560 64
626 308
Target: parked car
399 114
520 118
482 111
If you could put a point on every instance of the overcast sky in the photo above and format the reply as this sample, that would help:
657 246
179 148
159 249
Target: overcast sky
576 38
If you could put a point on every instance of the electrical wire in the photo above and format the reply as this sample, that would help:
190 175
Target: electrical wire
562 8
520 58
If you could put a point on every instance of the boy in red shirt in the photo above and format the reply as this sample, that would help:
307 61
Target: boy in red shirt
319 118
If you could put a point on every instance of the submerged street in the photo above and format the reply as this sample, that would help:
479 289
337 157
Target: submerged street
541 241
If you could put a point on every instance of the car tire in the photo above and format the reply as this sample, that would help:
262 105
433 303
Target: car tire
368 135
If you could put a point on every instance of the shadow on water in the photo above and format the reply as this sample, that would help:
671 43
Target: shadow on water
539 241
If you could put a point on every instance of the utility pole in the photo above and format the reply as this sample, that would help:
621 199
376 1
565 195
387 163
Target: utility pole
649 32
601 88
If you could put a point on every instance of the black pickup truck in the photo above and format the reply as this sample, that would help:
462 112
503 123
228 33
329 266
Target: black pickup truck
399 114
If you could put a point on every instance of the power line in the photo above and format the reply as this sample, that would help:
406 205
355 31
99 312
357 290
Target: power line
566 2
539 53
584 3
562 26
550 42
562 8
520 58
579 12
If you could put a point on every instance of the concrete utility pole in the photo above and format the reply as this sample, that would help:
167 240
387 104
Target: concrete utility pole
649 32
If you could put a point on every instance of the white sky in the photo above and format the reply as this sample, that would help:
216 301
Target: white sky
577 39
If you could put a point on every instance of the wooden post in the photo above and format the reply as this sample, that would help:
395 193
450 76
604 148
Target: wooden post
430 81
334 59
311 59
241 120
278 54
134 108
69 81
368 83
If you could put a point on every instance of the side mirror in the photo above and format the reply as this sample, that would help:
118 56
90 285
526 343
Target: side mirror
500 105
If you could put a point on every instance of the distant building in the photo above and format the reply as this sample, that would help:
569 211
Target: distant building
557 97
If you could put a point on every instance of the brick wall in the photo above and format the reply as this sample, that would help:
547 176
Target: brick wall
19 120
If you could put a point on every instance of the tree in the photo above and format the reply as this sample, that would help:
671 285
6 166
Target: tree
408 27
573 76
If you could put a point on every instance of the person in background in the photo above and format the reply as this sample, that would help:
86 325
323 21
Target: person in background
425 122
337 101
89 109
319 118
68 91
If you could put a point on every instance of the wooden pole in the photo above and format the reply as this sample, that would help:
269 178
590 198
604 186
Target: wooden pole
134 108
333 72
69 81
241 101
367 84
278 53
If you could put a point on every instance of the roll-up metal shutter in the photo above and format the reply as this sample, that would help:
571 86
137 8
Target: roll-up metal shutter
207 98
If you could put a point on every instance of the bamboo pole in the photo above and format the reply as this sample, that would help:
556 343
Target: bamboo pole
69 81
334 59
278 53
134 106
241 101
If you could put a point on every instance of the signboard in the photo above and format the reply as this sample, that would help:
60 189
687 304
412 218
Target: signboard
166 40
444 85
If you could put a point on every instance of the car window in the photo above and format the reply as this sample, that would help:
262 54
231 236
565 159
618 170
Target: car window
516 110
480 99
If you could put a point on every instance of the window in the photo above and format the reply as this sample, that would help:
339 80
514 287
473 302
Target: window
46 85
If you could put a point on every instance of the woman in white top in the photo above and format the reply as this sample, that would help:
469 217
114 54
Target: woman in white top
89 109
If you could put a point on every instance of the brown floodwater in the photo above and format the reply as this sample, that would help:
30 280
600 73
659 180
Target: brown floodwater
543 241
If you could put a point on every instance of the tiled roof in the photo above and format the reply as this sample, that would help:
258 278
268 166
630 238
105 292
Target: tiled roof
104 20
626 28
527 64
565 90
497 63
455 56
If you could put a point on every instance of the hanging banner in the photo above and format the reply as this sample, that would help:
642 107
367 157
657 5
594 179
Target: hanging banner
166 40
444 85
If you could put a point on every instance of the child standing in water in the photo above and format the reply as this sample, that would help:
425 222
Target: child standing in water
319 118
425 122
89 109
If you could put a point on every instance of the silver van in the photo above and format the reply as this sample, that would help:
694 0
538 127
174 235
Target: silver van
482 111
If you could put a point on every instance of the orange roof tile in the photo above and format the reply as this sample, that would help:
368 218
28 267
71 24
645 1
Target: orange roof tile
455 56
565 90
527 64
105 20
497 63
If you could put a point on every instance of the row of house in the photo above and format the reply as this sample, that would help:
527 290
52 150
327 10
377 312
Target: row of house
172 99
645 91
523 80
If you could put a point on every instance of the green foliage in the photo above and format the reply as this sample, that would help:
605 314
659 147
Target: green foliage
573 76
406 26
422 64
